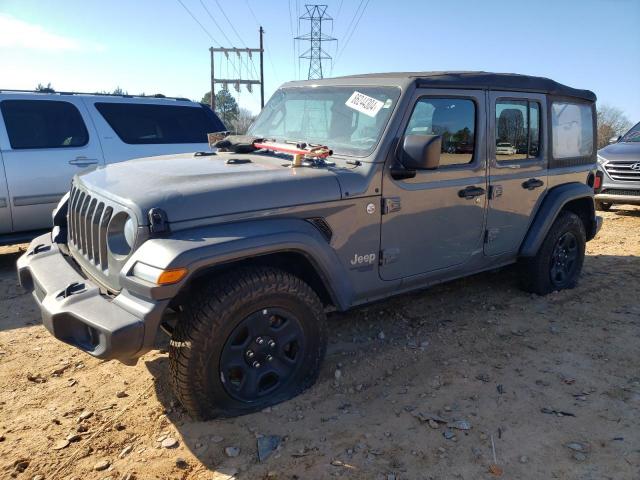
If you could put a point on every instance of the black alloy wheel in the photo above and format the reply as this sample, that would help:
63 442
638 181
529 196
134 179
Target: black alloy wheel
262 354
564 259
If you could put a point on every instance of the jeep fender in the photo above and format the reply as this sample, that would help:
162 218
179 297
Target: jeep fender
205 247
553 203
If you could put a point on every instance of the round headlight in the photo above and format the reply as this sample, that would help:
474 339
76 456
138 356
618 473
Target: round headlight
130 232
121 234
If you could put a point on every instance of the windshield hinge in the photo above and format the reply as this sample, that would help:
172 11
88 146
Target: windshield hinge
158 223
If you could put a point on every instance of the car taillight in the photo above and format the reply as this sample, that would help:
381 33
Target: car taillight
597 182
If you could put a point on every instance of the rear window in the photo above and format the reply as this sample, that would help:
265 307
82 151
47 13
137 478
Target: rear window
572 125
152 124
43 124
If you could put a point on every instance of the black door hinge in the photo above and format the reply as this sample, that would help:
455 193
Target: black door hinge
391 204
495 191
389 255
491 234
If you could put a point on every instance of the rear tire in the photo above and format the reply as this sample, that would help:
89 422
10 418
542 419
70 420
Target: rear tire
247 340
603 206
559 260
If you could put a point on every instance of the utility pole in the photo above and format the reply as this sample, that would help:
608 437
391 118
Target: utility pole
213 93
261 69
237 82
316 15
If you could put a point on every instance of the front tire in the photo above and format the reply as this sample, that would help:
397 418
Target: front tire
558 263
247 340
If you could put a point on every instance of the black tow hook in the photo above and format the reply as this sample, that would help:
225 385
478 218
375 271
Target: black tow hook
72 289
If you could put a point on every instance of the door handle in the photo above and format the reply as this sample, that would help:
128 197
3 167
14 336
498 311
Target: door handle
83 161
471 192
532 183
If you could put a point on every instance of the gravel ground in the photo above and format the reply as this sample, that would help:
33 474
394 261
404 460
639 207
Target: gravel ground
417 387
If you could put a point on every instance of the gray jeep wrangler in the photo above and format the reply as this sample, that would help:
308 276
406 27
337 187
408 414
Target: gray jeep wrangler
345 191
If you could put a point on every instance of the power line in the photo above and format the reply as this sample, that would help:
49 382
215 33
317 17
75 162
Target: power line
253 64
293 45
252 12
231 24
267 53
355 14
355 27
216 23
198 22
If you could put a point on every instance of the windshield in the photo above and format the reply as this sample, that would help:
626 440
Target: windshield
632 135
349 120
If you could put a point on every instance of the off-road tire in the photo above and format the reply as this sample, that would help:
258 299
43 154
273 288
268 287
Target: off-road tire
535 272
603 206
209 318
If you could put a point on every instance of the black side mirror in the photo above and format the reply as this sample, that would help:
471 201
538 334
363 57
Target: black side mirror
421 152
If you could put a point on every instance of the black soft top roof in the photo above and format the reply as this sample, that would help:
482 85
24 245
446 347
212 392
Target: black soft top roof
486 81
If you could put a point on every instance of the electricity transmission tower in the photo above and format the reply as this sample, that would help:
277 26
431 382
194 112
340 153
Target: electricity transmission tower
316 15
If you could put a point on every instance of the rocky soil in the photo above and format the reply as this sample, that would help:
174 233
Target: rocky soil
469 380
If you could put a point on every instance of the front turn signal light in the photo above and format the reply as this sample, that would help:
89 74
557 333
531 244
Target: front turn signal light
158 275
168 277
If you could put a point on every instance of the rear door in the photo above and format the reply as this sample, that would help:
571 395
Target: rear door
5 211
517 169
134 128
45 142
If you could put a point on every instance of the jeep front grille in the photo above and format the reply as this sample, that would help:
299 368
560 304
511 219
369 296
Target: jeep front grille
621 170
87 226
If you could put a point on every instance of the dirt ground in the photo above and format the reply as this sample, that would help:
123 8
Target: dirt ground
477 350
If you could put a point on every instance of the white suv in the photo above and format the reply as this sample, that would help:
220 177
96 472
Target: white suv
504 148
46 138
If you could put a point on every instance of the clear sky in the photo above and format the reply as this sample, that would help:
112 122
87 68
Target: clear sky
156 46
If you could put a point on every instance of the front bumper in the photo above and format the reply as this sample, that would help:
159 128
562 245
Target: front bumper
75 311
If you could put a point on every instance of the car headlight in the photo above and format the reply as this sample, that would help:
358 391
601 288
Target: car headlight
601 160
130 232
158 276
121 234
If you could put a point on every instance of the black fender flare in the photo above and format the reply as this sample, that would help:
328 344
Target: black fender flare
205 247
552 204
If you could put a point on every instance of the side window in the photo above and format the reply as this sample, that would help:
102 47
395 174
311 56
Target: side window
452 118
137 123
572 126
517 130
43 124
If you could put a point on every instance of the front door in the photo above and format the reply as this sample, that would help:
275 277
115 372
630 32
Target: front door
438 222
517 167
44 144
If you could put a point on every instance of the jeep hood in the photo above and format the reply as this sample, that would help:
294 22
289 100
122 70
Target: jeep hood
188 186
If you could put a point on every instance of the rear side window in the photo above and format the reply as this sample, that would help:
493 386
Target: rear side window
517 130
452 118
43 124
152 124
572 126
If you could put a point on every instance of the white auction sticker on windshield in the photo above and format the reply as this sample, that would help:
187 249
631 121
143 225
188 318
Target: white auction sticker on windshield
364 104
